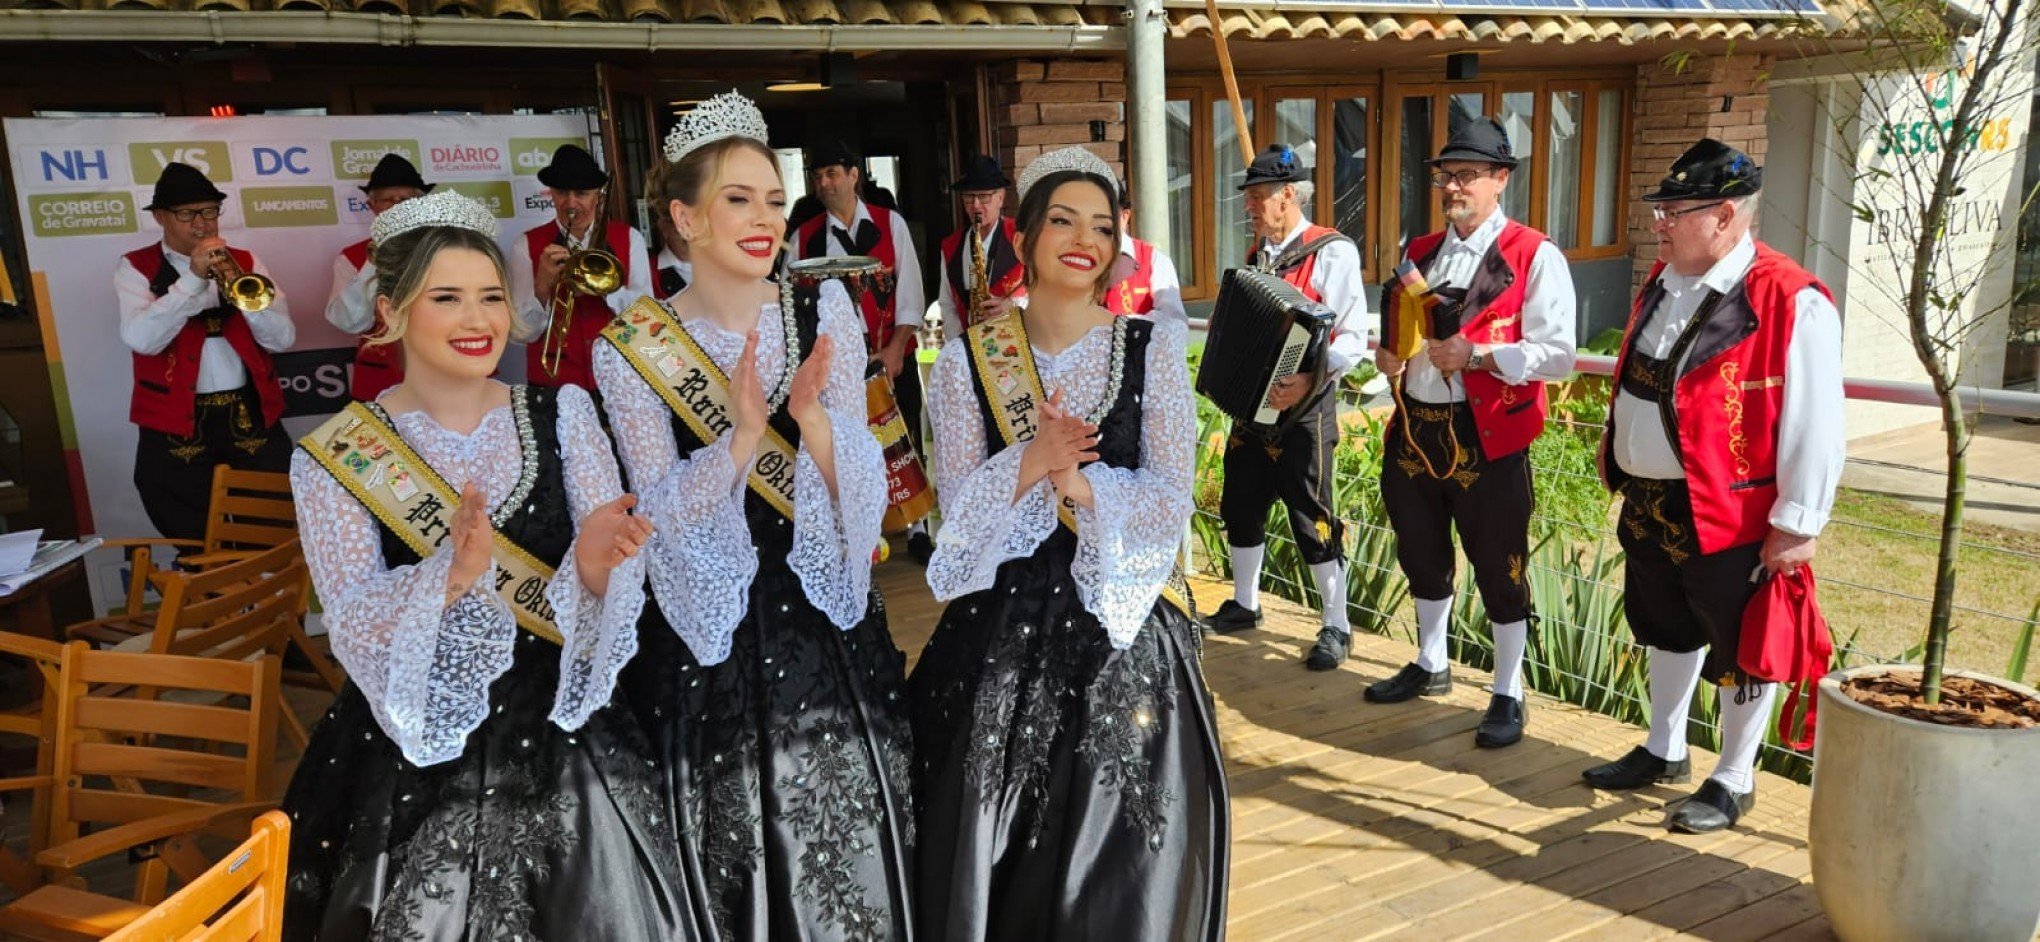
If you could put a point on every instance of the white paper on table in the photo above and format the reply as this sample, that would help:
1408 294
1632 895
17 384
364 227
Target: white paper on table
17 551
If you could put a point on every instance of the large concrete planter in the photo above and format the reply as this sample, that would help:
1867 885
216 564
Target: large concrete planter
1924 833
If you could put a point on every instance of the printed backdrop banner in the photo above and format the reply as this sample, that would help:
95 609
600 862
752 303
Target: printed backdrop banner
293 198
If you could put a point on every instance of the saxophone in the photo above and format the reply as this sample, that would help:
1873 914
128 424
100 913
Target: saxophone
980 280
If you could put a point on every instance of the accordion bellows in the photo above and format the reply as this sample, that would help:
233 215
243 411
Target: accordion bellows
1262 329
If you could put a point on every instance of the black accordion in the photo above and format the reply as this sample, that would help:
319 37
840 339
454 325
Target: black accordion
1262 329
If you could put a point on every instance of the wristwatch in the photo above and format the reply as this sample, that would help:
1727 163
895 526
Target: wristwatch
1477 361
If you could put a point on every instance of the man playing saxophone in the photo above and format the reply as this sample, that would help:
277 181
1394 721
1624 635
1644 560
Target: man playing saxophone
201 320
559 280
981 272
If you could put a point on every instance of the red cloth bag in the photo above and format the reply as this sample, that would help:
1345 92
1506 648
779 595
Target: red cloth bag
1785 640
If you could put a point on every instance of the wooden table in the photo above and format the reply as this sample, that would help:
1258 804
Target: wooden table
28 611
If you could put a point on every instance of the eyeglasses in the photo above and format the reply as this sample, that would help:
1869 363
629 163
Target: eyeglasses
208 214
1662 214
1464 178
972 199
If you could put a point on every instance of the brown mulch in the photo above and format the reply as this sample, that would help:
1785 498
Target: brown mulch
1965 701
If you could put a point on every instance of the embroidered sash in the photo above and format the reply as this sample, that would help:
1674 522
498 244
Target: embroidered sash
375 464
683 374
1005 368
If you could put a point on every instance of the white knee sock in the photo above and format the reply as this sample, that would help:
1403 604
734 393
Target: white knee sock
1742 733
1672 679
1246 575
1510 641
1331 587
1434 620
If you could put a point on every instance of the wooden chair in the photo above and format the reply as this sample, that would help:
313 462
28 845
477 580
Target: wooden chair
249 511
43 659
123 778
239 899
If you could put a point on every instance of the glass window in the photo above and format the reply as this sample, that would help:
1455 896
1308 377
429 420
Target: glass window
1561 193
1296 126
1519 121
1349 168
1229 168
1414 215
1608 170
1182 182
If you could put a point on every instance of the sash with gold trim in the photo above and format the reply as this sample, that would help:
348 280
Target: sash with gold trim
378 467
1005 368
667 357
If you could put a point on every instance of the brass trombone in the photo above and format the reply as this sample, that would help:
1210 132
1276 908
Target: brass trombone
590 272
246 291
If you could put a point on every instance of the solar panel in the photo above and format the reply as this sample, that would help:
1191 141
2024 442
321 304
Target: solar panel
1768 7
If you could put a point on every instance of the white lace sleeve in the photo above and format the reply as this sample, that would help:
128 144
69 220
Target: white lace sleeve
833 538
982 526
600 631
700 557
424 666
1127 540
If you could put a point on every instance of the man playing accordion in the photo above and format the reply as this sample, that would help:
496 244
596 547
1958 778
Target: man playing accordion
1296 467
1499 324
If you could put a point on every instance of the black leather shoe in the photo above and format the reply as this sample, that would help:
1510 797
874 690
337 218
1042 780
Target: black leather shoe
1232 616
1503 725
1636 770
921 546
1330 650
1410 683
1712 808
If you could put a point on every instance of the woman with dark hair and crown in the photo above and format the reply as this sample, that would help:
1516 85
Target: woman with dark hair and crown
480 570
1068 772
769 681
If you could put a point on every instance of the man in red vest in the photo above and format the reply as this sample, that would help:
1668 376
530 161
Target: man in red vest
205 389
852 225
558 326
1725 443
1325 266
1146 282
1456 455
352 305
982 191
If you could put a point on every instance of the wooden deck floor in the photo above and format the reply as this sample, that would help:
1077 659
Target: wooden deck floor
1354 821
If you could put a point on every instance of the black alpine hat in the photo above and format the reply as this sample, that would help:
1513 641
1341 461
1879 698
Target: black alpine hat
1481 140
1277 164
1709 170
394 170
980 173
182 184
833 153
573 168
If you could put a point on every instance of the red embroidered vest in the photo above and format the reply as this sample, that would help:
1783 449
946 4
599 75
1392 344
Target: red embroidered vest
1298 274
812 238
166 383
1509 417
376 367
1135 293
587 317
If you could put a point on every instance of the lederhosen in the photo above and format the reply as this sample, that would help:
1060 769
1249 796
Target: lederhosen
174 473
1487 499
1296 467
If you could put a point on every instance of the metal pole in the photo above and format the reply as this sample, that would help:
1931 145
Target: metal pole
1147 120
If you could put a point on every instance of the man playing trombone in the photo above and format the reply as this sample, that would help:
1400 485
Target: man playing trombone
567 282
201 320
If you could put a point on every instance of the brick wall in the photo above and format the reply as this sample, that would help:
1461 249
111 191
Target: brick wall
1673 110
1042 105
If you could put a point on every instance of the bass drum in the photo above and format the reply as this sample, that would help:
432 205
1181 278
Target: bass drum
909 498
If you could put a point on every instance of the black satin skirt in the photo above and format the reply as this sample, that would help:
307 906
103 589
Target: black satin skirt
1067 790
533 833
787 766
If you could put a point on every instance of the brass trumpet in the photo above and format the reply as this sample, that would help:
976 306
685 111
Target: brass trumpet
246 291
590 272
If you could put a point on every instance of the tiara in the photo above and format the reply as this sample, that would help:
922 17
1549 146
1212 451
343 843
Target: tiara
726 115
444 208
1068 158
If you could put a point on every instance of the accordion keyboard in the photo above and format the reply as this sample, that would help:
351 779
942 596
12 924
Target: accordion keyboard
1293 348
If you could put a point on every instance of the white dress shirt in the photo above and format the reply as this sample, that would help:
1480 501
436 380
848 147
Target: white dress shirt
668 260
1547 349
148 323
909 298
1812 446
351 308
533 312
1164 286
1338 280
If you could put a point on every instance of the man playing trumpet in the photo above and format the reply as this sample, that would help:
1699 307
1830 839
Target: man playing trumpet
555 316
201 320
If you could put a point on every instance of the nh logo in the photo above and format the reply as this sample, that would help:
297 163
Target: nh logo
73 165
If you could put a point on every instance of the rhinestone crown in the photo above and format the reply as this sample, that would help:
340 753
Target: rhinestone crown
726 115
445 207
1068 158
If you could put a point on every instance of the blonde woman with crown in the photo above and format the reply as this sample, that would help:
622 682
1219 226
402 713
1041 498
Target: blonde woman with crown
768 679
1068 770
480 567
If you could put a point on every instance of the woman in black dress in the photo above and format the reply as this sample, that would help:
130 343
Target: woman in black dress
768 681
1068 769
473 780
